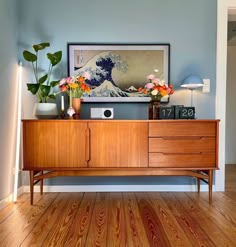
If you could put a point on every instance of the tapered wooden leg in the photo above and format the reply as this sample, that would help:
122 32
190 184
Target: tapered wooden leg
198 185
210 180
31 173
41 184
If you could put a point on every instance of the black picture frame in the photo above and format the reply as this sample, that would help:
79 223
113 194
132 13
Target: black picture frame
118 70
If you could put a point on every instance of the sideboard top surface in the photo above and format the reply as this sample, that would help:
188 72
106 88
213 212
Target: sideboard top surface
116 120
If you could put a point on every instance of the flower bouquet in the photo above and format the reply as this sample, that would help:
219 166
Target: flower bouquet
75 87
156 89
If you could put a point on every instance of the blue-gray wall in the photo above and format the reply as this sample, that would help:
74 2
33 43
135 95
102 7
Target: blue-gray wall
8 92
188 25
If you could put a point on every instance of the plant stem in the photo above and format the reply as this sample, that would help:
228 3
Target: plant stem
35 73
70 98
49 74
36 69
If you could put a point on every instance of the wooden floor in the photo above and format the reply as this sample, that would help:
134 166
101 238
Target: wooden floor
121 219
230 175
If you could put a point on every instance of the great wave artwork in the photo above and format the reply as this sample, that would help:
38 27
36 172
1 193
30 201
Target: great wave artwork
118 70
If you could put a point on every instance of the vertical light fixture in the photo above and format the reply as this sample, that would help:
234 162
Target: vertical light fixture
18 130
192 82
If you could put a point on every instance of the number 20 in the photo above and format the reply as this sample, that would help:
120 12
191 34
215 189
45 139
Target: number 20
187 112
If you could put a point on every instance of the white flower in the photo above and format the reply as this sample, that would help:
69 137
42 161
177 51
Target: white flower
154 92
156 70
162 83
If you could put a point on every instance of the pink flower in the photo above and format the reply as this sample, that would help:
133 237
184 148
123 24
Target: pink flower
86 75
156 80
149 85
70 80
150 77
62 82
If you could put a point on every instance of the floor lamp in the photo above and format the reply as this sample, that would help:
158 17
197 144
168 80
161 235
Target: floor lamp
192 82
18 131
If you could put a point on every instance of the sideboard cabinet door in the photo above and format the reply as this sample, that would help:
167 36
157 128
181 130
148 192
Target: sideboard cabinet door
118 144
50 144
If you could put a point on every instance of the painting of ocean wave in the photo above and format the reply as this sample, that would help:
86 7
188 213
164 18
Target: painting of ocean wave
117 71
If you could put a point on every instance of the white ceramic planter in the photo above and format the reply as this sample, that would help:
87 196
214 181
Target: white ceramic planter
45 110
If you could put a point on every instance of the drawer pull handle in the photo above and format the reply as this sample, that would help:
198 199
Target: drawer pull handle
183 138
87 145
192 153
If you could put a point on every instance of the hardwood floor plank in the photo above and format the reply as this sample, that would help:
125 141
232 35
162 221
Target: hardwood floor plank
152 224
191 228
135 230
214 232
97 234
117 233
231 195
77 235
218 219
224 205
11 207
58 234
15 228
47 221
173 230
120 219
230 174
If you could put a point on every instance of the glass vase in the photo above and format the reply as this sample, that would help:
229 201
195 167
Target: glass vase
70 110
154 109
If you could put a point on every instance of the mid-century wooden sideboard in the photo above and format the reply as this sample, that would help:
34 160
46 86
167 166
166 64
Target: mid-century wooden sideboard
120 148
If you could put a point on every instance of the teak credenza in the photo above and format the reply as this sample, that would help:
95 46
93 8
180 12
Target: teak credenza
120 148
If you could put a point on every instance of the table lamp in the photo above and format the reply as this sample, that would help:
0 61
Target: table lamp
192 82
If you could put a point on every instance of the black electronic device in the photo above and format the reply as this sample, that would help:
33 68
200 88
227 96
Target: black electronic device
166 112
187 112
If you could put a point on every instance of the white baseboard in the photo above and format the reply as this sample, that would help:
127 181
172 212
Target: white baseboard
8 199
118 188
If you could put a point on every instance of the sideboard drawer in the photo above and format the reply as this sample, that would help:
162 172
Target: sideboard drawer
182 128
200 160
182 145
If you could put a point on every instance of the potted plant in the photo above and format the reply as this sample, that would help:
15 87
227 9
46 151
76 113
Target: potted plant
43 86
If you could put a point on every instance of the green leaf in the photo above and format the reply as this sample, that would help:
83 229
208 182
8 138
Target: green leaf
45 90
54 83
43 79
28 56
40 46
33 88
55 58
52 96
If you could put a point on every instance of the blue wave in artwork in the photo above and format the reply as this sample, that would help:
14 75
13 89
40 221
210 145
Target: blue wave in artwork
103 73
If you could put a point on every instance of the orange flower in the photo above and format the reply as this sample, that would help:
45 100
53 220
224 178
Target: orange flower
140 89
163 92
87 88
80 79
172 91
63 88
145 91
75 86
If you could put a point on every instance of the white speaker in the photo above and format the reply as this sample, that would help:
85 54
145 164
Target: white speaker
101 113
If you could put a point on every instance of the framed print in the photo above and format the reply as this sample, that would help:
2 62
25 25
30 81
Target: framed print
117 71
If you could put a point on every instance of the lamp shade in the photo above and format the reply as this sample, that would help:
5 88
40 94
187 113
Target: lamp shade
192 82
